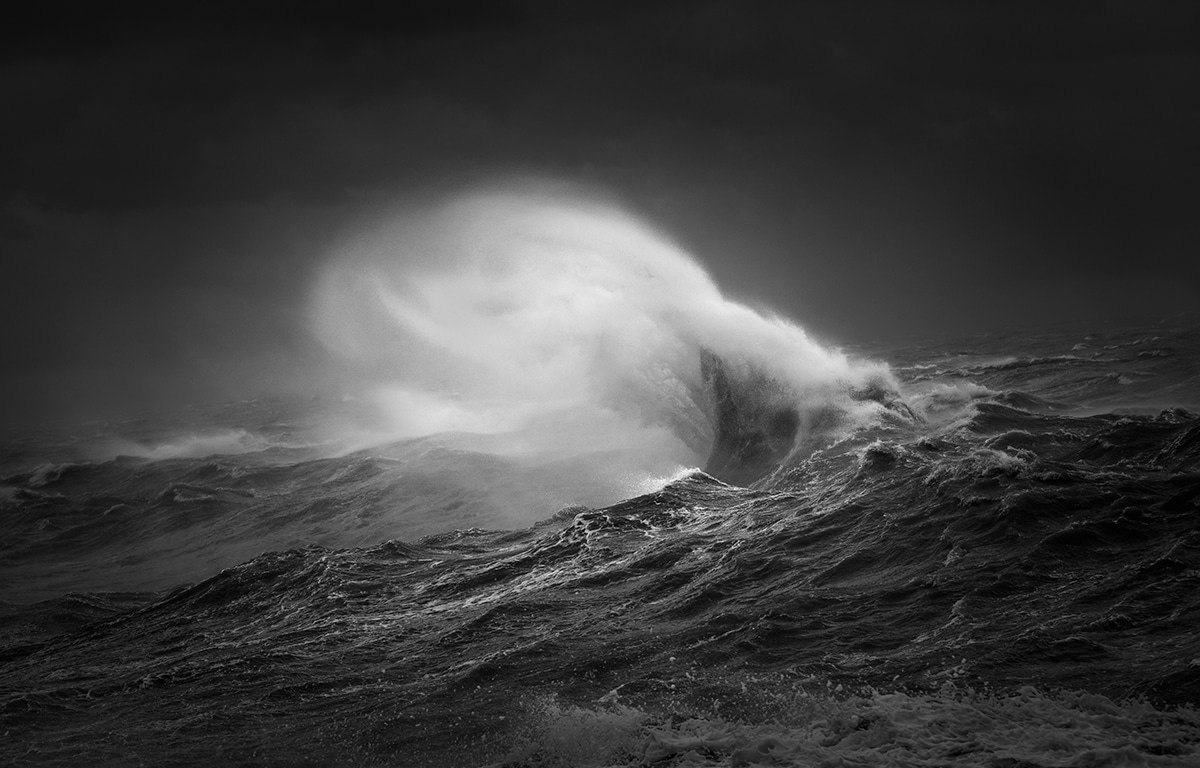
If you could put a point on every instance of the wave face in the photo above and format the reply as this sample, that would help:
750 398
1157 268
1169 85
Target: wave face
573 328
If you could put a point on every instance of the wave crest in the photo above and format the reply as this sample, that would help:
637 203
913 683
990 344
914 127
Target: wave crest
573 323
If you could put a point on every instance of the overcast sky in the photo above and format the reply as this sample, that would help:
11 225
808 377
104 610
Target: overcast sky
168 185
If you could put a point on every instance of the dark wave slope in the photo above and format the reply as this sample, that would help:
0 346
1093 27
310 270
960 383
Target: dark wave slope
1014 547
1002 569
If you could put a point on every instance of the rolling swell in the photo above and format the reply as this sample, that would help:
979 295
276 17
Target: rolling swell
946 572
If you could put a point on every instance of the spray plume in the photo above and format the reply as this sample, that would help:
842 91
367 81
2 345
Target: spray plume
546 325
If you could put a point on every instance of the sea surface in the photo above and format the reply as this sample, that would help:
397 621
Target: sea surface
1002 569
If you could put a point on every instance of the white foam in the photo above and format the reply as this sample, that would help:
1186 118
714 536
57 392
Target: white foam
953 726
188 446
645 484
946 403
44 474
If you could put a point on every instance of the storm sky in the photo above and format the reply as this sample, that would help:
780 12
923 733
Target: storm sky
170 185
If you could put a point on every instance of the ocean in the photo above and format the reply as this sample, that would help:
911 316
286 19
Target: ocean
1002 571
571 506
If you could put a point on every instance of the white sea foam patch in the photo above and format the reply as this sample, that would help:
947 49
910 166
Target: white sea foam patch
44 474
188 446
644 484
542 312
942 402
952 727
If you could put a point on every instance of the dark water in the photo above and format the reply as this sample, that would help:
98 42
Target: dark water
1007 573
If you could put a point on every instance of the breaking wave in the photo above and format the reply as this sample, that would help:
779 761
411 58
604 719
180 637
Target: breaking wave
571 327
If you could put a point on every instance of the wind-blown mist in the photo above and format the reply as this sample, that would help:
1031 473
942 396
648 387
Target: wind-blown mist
552 327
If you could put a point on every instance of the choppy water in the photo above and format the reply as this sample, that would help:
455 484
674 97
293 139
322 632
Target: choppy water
1005 573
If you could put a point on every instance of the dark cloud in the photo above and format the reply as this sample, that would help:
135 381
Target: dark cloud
868 168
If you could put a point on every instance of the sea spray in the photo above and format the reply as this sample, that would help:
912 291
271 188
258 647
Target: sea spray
574 329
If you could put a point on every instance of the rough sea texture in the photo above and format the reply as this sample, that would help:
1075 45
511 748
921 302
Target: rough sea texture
1005 574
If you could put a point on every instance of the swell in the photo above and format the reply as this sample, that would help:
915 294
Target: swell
970 545
898 568
195 516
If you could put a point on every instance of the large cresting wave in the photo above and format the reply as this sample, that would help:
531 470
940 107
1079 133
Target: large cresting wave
542 324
